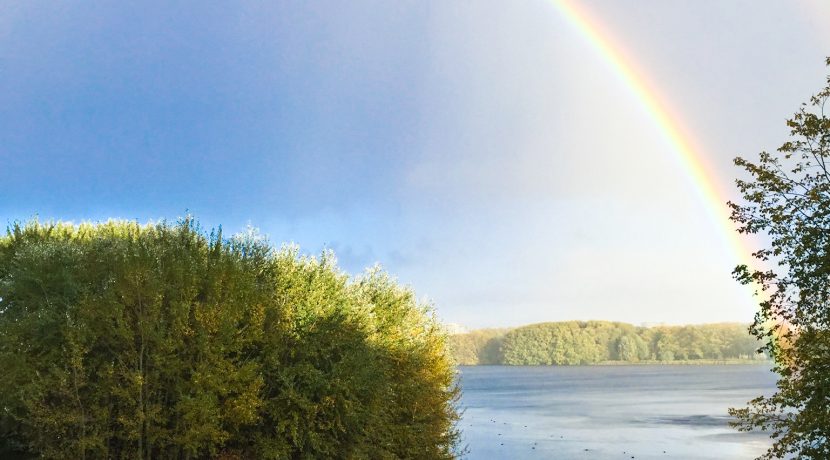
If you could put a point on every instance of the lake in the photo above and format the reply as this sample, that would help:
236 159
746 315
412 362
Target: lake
637 411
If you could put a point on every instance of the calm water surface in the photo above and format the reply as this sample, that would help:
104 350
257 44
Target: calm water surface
592 412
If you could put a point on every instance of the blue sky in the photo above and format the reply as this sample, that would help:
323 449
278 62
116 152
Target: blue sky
481 151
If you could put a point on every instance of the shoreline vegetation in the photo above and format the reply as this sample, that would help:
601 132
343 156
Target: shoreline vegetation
605 343
688 362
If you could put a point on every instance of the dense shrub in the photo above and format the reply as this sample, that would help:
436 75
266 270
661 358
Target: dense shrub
126 341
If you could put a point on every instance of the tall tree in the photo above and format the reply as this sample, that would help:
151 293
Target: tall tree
786 197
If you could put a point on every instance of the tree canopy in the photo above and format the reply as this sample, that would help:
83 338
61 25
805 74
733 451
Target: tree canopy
592 342
786 198
119 340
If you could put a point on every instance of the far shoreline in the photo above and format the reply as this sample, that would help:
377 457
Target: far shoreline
688 362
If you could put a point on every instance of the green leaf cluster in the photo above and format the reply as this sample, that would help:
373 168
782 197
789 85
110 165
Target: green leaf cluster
120 340
593 342
786 198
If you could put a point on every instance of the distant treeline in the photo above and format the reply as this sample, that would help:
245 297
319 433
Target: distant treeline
592 342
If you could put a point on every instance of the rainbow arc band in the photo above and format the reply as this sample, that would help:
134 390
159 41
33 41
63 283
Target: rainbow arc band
688 155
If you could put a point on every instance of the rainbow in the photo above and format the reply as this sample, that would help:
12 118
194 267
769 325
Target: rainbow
688 154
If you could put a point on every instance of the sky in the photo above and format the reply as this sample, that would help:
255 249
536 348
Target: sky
484 153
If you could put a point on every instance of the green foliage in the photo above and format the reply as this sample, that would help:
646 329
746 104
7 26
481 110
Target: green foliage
592 342
126 341
787 198
482 346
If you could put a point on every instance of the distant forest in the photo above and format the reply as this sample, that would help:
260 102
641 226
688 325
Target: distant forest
594 342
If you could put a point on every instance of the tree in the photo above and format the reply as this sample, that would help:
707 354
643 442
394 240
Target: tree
786 197
632 348
125 341
591 342
477 347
